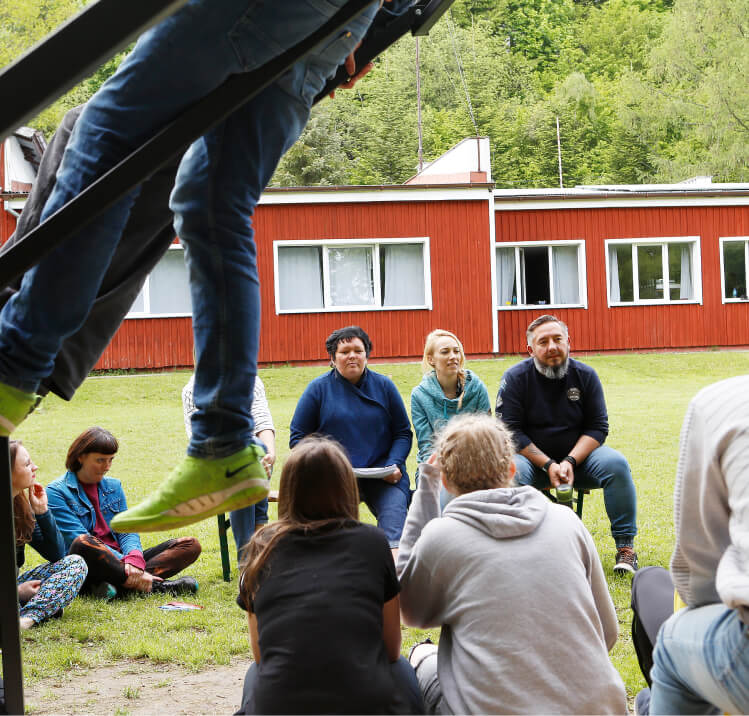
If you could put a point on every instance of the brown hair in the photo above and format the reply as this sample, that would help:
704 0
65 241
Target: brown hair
475 452
546 318
23 515
317 491
92 440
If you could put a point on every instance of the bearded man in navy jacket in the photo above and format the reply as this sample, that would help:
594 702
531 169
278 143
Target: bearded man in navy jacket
555 407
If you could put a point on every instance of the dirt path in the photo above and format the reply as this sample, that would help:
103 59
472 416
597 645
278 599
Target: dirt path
140 688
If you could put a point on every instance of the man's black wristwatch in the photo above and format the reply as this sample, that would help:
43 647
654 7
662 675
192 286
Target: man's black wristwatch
548 464
571 460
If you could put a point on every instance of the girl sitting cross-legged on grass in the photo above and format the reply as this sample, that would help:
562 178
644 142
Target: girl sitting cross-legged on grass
322 597
44 590
513 580
84 501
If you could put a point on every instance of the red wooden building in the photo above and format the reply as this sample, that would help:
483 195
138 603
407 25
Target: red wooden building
636 267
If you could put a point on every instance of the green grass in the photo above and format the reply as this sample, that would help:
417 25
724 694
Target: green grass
646 394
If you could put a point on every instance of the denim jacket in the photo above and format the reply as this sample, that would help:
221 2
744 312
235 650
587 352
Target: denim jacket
75 514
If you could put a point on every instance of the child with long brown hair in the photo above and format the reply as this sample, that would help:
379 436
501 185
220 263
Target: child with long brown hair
46 589
322 599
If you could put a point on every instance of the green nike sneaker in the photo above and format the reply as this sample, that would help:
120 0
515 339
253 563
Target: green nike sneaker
198 488
15 405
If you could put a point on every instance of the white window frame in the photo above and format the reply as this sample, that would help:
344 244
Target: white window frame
657 241
146 312
581 273
328 244
726 240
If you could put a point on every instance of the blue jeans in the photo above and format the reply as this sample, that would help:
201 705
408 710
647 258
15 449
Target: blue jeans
218 185
388 503
701 663
604 468
244 522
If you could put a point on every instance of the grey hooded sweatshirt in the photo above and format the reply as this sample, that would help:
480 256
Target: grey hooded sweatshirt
516 584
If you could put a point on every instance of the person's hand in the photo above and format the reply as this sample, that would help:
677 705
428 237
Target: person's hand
267 462
28 590
139 579
566 472
38 498
555 474
394 477
430 473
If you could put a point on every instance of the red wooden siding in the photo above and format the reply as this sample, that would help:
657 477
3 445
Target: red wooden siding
460 251
633 327
459 248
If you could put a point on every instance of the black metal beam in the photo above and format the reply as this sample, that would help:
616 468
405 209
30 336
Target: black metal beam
174 138
72 52
10 638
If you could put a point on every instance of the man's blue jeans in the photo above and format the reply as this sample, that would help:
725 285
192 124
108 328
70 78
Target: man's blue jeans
701 663
604 468
218 186
244 522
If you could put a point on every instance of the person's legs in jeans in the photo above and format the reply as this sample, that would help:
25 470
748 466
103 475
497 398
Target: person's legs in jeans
604 468
409 699
218 186
608 469
701 663
244 522
388 503
424 662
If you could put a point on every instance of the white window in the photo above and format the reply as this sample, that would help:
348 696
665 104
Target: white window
651 271
531 274
166 291
358 274
734 259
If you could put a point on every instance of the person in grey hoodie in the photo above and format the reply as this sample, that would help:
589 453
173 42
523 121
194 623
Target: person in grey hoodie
514 581
447 389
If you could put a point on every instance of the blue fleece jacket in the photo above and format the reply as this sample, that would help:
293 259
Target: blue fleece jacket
75 514
430 409
368 419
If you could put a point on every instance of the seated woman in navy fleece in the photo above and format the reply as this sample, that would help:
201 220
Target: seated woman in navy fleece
364 412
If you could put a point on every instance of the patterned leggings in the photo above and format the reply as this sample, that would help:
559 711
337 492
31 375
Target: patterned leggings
61 582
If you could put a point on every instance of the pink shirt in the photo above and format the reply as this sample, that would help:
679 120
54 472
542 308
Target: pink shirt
103 531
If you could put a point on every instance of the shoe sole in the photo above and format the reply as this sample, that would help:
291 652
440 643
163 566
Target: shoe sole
624 568
243 494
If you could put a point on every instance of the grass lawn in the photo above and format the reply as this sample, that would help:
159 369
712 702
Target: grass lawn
647 396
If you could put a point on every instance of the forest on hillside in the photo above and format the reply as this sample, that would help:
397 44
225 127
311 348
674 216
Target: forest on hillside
643 90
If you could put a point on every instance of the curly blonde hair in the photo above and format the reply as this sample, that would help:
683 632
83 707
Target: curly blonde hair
475 452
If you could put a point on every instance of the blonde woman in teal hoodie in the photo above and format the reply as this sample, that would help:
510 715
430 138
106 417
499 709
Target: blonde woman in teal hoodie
447 389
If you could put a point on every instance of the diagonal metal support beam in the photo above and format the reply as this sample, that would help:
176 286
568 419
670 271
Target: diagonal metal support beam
72 52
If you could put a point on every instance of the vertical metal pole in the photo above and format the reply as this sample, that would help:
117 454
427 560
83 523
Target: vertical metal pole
10 635
559 156
418 106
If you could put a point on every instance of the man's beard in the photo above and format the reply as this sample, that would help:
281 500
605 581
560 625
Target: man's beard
552 372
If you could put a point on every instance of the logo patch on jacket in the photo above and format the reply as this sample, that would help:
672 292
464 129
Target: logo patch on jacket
574 394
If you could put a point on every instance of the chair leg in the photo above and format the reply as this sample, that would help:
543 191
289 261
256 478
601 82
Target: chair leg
224 546
579 501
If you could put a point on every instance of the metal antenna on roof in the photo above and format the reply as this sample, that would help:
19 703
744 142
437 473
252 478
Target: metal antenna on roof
458 61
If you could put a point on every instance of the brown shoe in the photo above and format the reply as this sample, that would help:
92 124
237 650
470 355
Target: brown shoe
626 560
